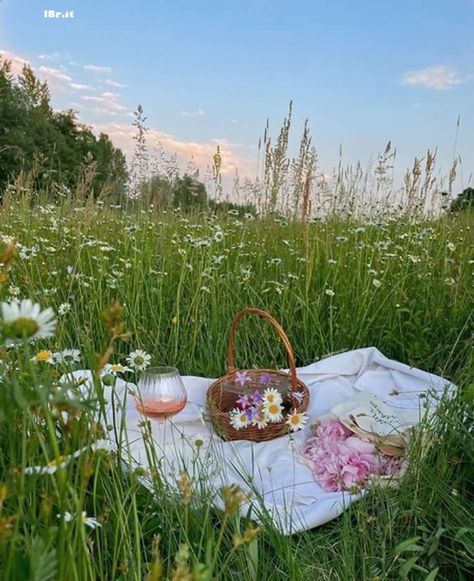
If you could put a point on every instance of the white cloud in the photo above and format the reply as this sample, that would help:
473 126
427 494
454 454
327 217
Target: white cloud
52 57
113 83
198 113
437 78
97 69
54 74
202 152
80 87
107 103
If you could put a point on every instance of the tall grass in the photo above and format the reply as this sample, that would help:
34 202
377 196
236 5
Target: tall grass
403 286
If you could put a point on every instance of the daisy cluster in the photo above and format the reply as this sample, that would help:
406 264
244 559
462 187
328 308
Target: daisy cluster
260 409
340 460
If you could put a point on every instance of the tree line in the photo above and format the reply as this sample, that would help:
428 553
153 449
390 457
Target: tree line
55 150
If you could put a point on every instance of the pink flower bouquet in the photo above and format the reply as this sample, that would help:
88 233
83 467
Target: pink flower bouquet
342 461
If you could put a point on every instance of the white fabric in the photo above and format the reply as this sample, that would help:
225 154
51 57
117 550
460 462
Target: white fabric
282 487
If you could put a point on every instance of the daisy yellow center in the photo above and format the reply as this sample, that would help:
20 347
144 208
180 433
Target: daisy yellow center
23 327
138 360
295 420
273 408
270 398
116 367
243 418
44 355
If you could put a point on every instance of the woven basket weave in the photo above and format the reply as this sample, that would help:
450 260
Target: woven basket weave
221 402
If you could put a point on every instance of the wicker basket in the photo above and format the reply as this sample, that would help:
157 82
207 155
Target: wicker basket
221 402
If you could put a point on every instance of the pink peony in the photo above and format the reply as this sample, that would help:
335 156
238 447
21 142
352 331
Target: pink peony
340 460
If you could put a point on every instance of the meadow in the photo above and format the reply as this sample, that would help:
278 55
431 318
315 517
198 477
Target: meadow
169 283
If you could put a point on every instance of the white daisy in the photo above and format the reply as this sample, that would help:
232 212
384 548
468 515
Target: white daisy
25 320
67 516
50 468
63 461
89 521
139 360
64 308
296 421
44 356
272 395
68 356
273 412
86 520
238 419
260 420
114 368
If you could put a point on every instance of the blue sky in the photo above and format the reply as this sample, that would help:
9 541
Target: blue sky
211 72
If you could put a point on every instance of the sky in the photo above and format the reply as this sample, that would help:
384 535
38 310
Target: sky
211 72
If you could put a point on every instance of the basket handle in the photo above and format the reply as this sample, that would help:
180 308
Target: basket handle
291 358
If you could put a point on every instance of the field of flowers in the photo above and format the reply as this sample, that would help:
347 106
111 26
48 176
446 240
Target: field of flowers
130 287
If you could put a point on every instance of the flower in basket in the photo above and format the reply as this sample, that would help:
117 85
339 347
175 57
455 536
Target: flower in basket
262 408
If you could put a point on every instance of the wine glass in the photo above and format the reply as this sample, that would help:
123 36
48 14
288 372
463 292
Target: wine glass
161 392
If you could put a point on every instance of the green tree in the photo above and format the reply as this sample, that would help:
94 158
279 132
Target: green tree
189 193
465 201
53 146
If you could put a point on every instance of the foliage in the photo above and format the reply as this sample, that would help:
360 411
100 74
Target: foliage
187 193
59 153
465 201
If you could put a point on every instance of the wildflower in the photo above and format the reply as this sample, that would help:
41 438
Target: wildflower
69 356
174 320
44 356
64 308
271 395
260 420
114 368
13 292
273 411
376 282
50 468
198 440
329 292
296 421
297 395
88 521
242 377
265 379
451 246
63 461
139 360
244 401
238 419
26 320
257 397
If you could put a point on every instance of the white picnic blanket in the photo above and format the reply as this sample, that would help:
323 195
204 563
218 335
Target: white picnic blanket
282 488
